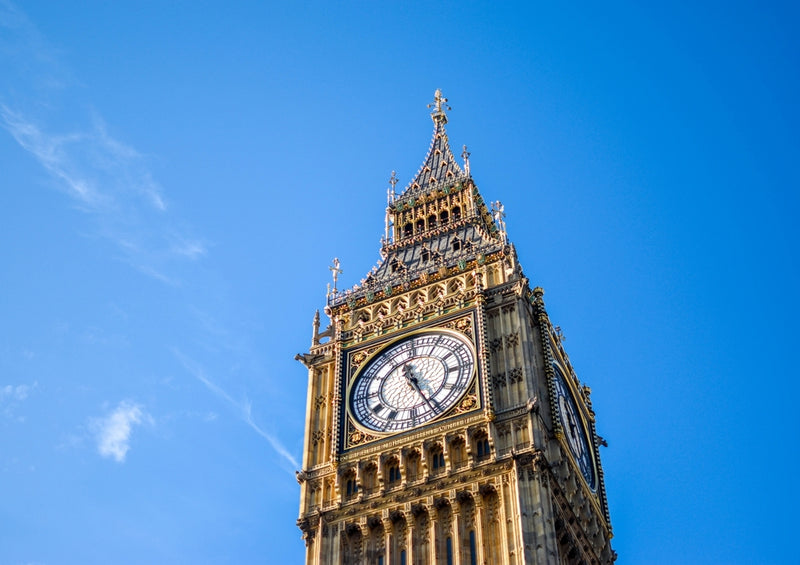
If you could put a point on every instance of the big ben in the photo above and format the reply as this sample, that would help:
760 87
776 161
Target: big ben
444 421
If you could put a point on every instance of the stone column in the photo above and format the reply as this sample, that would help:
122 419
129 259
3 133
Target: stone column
456 525
481 554
388 532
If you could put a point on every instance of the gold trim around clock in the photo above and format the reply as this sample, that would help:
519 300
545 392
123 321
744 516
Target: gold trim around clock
588 433
366 362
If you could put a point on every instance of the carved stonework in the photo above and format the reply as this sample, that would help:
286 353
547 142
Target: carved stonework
512 339
475 478
355 436
470 402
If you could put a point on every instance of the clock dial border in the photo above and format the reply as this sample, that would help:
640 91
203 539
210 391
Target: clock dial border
565 394
451 403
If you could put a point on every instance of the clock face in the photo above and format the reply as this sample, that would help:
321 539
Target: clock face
573 427
412 381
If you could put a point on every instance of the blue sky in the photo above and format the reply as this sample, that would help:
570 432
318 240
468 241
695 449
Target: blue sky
175 181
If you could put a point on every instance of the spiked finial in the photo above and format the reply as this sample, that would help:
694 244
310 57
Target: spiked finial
336 271
391 192
465 155
440 106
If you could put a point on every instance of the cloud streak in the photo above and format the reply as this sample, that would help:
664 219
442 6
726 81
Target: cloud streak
113 433
103 176
243 408
11 396
109 180
18 392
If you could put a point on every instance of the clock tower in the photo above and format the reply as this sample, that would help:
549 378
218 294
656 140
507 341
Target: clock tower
444 422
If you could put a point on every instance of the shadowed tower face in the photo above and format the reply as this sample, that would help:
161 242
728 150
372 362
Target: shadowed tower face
444 422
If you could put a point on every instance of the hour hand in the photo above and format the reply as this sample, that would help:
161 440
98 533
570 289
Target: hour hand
411 379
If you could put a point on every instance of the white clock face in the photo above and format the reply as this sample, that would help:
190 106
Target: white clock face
412 381
573 428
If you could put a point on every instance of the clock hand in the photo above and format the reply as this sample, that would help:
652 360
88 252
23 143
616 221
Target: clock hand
411 379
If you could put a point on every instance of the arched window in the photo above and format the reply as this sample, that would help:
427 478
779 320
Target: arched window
431 221
314 495
437 459
482 449
473 554
370 478
443 217
449 550
456 244
456 213
351 486
458 452
392 472
420 226
412 466
408 230
426 254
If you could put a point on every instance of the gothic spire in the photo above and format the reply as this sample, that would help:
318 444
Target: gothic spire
440 167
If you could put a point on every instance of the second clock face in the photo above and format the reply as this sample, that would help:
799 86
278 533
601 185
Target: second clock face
573 428
412 381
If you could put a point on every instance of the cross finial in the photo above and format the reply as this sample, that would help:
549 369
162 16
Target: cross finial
336 271
392 181
498 212
440 105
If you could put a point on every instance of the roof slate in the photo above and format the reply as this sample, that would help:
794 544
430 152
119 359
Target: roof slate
439 167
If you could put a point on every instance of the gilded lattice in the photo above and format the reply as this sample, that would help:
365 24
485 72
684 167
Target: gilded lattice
463 325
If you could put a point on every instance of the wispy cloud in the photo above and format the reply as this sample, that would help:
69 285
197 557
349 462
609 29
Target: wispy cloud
243 408
113 432
11 396
191 249
53 153
102 175
16 392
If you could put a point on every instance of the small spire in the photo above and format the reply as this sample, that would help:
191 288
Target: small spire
465 155
391 192
440 106
336 271
315 329
390 197
498 212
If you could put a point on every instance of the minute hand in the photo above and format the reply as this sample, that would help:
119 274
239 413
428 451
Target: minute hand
411 379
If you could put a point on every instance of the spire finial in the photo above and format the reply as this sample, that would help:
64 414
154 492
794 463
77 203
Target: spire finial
336 271
390 197
465 155
498 211
440 104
